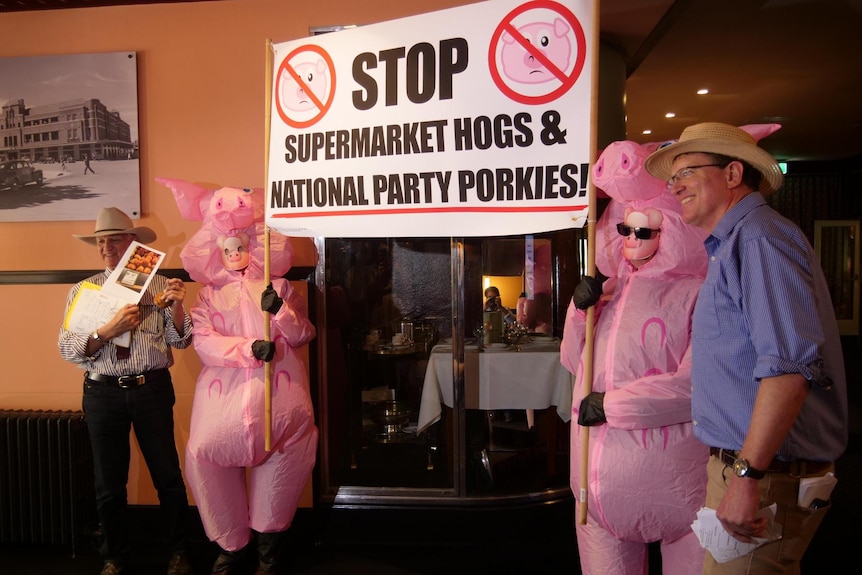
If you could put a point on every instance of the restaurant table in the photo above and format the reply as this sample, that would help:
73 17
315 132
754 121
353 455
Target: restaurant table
527 376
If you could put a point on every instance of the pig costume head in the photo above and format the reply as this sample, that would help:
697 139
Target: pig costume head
230 242
641 200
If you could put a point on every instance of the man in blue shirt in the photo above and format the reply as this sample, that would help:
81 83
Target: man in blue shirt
769 393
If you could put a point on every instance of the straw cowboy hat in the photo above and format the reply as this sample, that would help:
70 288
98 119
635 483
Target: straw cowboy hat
717 138
113 221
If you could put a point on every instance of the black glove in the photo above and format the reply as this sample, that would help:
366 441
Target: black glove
269 300
587 292
592 409
263 350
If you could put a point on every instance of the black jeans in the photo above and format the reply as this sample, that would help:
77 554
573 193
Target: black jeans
111 412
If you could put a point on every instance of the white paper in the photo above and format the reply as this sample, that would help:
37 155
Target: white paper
720 544
811 488
93 308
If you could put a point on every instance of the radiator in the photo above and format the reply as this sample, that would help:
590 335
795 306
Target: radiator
46 478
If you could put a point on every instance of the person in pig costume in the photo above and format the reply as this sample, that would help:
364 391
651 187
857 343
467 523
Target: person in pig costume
645 476
227 435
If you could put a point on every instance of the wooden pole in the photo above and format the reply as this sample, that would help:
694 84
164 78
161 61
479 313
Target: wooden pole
583 494
266 315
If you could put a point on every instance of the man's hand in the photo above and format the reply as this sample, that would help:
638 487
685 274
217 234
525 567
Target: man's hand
738 507
592 409
263 350
269 300
175 291
587 292
127 319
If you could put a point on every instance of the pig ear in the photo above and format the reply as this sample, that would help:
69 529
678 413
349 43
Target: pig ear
760 131
654 217
188 197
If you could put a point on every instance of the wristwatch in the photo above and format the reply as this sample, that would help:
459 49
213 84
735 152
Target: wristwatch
95 335
742 468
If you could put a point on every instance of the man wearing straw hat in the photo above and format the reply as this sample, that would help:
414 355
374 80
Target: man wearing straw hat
131 386
769 394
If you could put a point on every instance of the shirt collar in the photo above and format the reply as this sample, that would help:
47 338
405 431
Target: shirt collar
734 215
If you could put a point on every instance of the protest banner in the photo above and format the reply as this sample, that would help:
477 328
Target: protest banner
470 121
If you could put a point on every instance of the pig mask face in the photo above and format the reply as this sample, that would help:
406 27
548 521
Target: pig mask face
234 251
637 249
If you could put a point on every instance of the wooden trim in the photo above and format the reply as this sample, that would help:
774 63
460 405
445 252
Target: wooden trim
43 277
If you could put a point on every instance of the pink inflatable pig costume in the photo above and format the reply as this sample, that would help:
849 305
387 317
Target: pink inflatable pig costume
227 434
647 473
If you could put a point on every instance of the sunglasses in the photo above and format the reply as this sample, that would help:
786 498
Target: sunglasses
640 233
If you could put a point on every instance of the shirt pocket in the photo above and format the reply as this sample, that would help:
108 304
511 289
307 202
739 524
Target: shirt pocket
705 324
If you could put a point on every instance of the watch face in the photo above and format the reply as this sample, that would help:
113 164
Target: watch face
742 468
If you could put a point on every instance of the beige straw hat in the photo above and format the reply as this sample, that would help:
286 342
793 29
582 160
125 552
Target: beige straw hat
114 221
718 138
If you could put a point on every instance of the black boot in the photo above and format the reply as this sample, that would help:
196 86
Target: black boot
228 562
268 551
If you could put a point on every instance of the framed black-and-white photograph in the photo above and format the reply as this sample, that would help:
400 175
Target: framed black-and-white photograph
68 136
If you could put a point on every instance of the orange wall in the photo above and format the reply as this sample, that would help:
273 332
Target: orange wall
201 90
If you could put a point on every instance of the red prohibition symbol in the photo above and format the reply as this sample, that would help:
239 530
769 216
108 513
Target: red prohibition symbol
532 62
305 86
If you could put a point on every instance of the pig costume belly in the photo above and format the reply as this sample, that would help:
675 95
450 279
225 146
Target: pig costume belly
646 471
227 432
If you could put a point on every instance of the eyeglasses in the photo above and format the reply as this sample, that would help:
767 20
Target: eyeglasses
688 171
640 233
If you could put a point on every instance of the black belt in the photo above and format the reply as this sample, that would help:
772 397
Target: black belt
127 381
795 468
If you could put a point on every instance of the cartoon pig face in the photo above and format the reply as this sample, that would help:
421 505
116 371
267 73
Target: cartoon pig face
520 65
235 254
314 77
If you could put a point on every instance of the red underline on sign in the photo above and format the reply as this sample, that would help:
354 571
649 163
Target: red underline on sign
465 209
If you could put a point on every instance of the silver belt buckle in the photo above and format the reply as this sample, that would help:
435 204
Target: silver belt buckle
127 381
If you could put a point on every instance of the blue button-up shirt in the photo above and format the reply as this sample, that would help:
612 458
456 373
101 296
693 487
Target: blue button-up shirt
764 310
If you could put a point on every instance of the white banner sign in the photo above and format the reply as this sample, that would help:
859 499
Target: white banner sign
472 121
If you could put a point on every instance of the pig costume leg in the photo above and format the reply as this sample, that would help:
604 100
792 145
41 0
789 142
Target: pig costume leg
276 486
220 495
685 555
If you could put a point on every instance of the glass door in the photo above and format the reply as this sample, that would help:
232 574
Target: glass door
413 403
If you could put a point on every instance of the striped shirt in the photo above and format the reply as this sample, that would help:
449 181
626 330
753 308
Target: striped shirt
764 310
152 340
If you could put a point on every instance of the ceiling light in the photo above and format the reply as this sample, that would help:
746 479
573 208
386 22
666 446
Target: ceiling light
703 91
670 115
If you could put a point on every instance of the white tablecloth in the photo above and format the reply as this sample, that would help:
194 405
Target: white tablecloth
532 378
